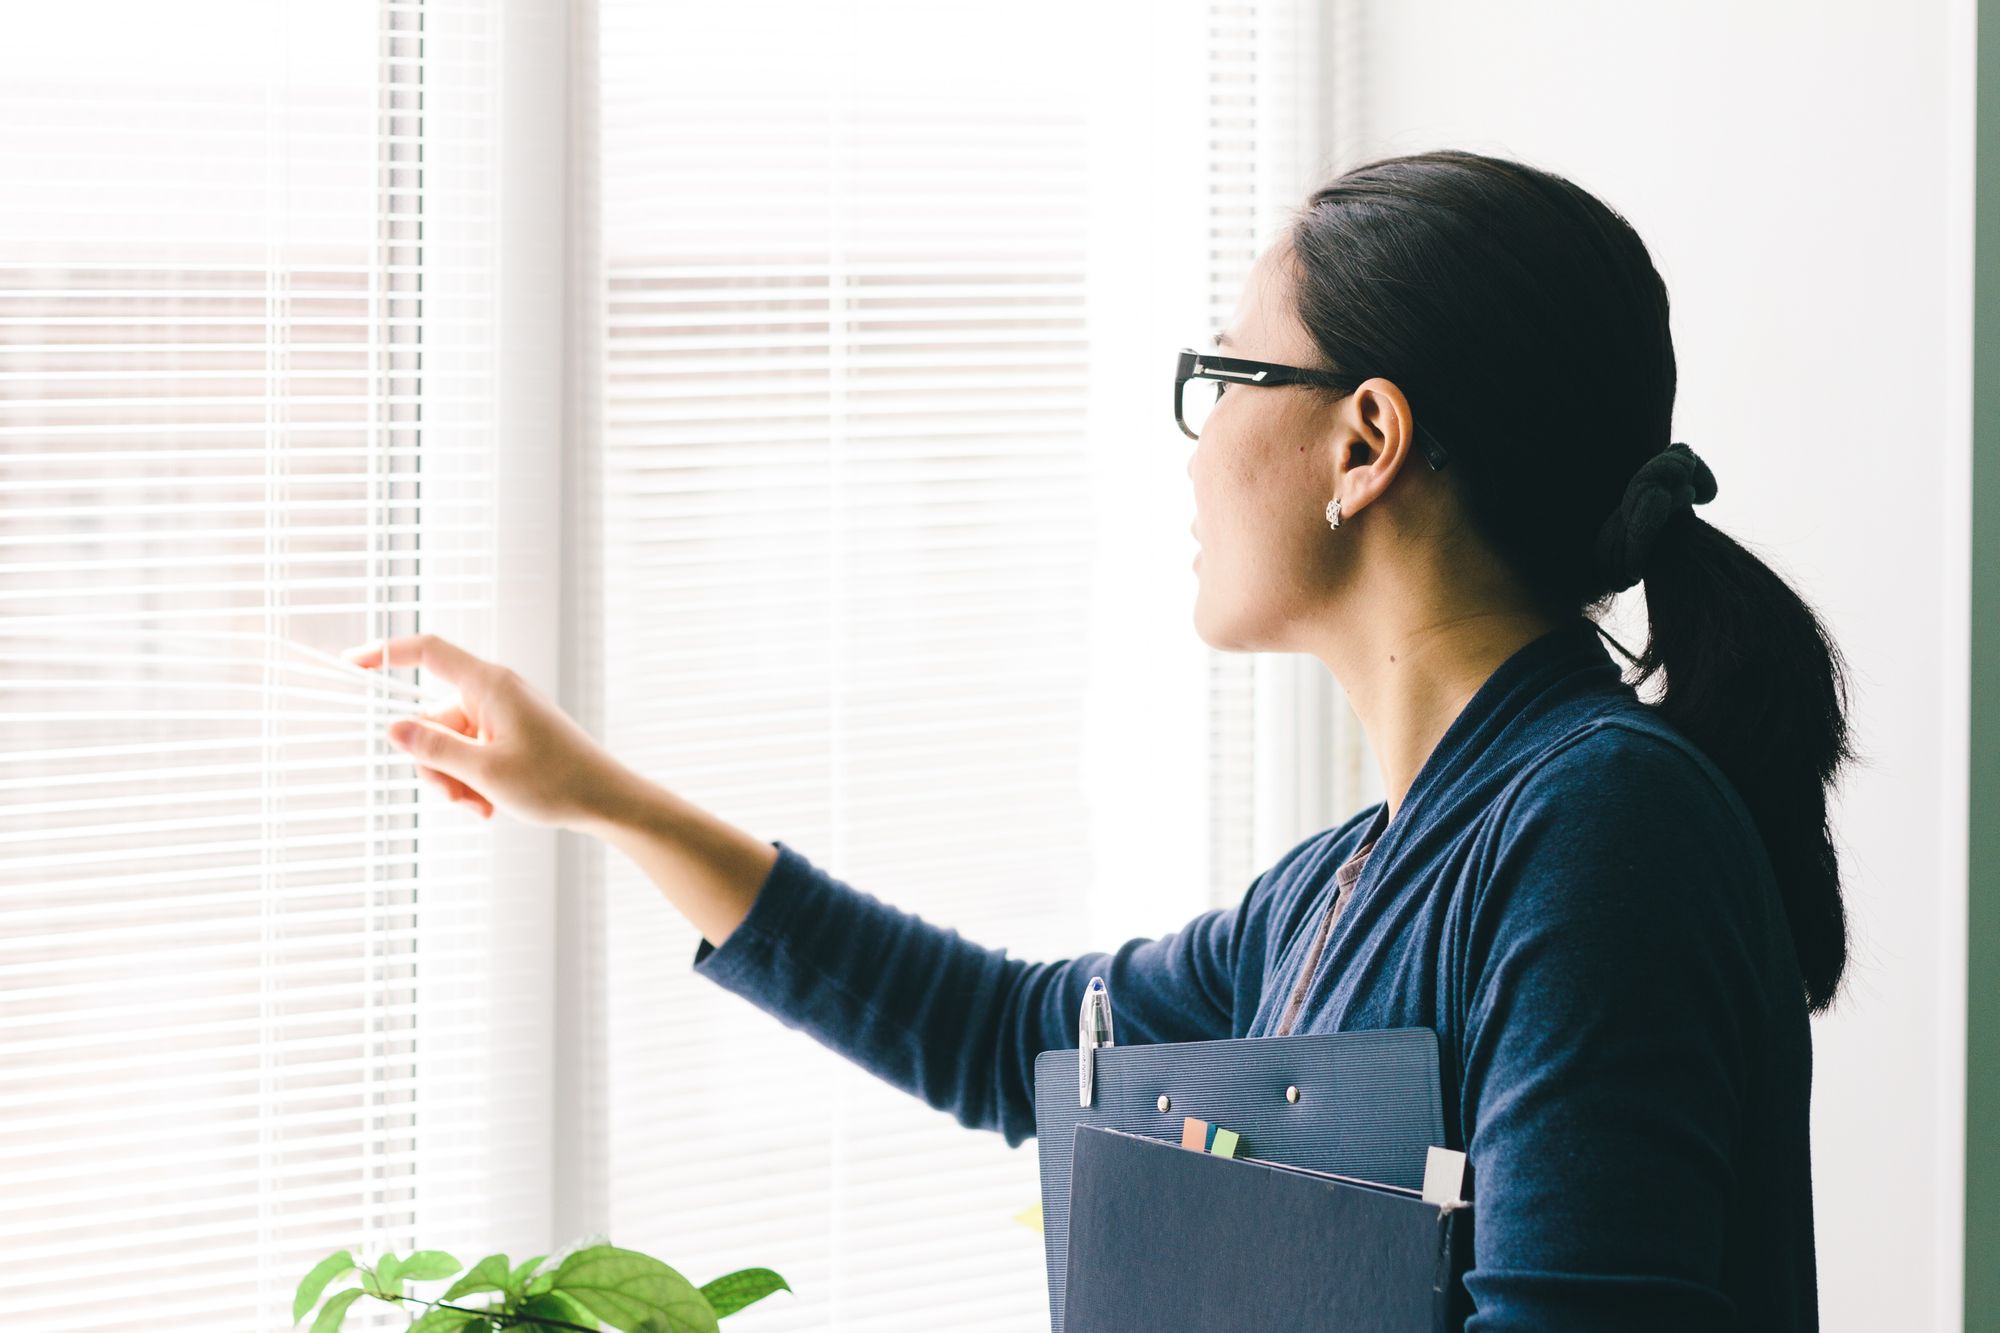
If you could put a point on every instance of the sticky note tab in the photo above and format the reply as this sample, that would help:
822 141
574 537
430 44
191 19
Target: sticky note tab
1030 1218
1203 1136
1444 1177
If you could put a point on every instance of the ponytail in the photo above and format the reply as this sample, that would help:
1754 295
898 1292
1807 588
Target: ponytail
1755 680
1752 677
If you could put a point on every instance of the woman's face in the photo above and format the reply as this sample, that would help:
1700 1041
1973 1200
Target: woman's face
1263 472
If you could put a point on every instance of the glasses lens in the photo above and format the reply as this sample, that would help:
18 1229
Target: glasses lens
1197 401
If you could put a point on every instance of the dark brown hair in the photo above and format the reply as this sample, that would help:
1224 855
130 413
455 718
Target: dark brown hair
1458 276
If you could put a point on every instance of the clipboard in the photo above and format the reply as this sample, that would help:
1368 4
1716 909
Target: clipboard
1163 1236
1364 1104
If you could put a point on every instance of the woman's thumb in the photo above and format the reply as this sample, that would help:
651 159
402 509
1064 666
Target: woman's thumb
439 747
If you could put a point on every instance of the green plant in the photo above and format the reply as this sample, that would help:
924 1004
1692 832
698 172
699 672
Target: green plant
586 1288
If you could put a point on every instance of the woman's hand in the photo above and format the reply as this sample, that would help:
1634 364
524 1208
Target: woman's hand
501 742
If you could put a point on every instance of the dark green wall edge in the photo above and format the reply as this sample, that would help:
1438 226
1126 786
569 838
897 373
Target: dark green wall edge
1982 992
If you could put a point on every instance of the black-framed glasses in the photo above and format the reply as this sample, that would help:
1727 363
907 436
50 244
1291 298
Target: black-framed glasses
1191 408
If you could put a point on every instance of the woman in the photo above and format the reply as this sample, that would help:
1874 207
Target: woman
1616 914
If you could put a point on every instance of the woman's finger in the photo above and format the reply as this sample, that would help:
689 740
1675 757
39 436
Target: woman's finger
453 716
452 787
426 651
433 746
459 793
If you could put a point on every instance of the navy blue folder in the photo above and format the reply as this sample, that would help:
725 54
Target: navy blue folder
1166 1237
1368 1106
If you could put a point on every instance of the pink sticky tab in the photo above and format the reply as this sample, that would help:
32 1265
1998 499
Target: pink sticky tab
1194 1134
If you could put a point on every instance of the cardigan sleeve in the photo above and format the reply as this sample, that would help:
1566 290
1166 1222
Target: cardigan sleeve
1617 982
955 1023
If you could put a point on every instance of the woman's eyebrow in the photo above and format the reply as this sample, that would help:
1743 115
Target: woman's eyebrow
1222 340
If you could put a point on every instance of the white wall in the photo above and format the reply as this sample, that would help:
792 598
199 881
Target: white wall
1801 176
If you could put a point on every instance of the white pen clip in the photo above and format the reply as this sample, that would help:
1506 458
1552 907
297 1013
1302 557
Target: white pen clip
1093 1029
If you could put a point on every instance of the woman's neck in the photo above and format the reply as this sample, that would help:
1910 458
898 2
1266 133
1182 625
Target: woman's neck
1407 677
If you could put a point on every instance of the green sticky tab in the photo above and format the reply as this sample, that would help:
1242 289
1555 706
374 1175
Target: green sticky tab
1225 1142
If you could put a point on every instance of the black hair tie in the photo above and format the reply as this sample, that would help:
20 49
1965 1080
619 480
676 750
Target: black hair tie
1671 480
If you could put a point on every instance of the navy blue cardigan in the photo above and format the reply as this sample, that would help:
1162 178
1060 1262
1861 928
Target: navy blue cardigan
1571 894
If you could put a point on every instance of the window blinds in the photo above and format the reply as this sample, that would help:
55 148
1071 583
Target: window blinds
889 541
246 973
894 551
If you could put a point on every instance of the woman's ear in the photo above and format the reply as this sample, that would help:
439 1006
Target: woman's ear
1374 436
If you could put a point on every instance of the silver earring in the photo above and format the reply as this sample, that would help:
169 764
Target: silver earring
1333 512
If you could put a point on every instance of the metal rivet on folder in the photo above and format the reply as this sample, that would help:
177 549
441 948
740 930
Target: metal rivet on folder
1292 1093
1164 1103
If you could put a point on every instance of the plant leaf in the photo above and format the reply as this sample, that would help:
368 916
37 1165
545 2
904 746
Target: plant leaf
733 1291
314 1283
627 1289
389 1275
555 1305
489 1274
538 1284
335 1310
429 1266
576 1314
443 1321
520 1275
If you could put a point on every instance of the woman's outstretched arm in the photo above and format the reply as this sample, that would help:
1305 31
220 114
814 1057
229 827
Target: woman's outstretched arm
945 1019
708 868
917 1004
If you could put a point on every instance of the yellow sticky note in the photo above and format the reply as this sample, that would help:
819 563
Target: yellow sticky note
1030 1218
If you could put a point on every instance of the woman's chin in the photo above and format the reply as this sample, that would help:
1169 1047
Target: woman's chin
1203 628
1219 624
